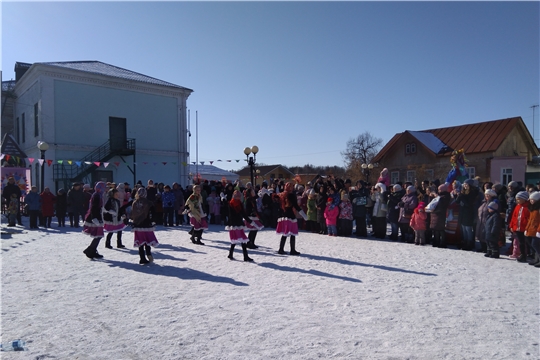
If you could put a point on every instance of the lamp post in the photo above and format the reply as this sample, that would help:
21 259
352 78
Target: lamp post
366 168
251 159
42 146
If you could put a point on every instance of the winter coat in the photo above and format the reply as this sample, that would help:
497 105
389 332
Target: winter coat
379 207
11 189
237 215
168 199
312 209
534 224
481 223
345 210
467 212
33 200
418 220
331 215
407 205
112 205
61 204
47 204
438 215
520 217
393 209
178 197
75 201
492 226
359 200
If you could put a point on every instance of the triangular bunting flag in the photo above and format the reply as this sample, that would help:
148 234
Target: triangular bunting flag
184 163
193 162
237 160
78 163
219 160
97 163
8 157
41 161
174 163
31 160
105 164
211 162
155 163
49 162
60 161
164 163
144 162
70 162
202 162
2 157
229 160
88 162
117 163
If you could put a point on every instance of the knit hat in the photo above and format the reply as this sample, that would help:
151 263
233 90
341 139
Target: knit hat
497 187
411 188
493 206
421 205
513 184
397 187
490 192
348 181
329 199
523 195
535 196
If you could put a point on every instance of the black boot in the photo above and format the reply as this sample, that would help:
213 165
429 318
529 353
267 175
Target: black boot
293 246
108 241
488 253
244 250
142 255
251 243
198 235
148 251
119 240
483 247
282 245
231 251
522 258
91 250
495 255
536 260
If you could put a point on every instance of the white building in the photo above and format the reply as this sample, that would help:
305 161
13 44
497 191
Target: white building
89 111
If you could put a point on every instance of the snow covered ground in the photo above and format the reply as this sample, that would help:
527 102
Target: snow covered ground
343 298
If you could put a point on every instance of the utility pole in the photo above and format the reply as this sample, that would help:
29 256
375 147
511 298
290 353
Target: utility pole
534 107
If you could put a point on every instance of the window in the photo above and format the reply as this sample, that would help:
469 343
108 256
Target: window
18 131
472 172
36 125
411 175
407 148
429 174
23 132
272 176
413 148
506 176
280 176
394 177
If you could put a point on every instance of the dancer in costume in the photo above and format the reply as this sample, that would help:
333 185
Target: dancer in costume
197 217
237 216
93 224
287 224
112 219
254 218
143 226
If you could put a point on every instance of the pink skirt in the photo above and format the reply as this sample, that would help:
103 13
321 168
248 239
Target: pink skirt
287 227
238 236
257 224
145 238
114 228
198 225
92 230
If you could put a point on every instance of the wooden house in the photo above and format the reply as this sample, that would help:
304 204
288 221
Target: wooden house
265 172
498 151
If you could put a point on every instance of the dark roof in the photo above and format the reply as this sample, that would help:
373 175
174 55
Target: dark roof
265 170
472 138
100 68
8 85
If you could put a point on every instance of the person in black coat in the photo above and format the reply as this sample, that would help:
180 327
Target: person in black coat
438 217
9 189
236 225
359 200
61 207
493 229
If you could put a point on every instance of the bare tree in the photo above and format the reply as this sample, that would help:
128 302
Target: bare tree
360 150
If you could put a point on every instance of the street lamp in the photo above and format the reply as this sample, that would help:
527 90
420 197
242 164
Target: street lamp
258 172
251 159
42 146
366 168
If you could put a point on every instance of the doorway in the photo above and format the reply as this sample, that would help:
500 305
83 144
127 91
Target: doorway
117 133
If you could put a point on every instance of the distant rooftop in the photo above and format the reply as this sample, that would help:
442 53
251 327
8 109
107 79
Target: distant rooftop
100 68
8 85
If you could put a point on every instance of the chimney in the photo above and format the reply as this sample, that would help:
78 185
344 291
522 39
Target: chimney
20 69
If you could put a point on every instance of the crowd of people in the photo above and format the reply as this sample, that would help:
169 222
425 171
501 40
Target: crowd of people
469 215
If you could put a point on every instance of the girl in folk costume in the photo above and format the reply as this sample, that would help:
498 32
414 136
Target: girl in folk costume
143 226
237 217
254 224
112 219
287 224
93 224
197 217
384 177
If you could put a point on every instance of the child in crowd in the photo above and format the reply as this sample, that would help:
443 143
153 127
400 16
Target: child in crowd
13 209
533 227
311 223
492 230
331 215
345 217
518 223
418 224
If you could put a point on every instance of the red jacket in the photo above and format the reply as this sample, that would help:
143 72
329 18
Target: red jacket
520 217
47 203
418 220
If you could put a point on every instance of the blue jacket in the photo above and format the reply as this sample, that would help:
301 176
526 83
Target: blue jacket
33 200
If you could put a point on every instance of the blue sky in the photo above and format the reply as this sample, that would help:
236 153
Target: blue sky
299 79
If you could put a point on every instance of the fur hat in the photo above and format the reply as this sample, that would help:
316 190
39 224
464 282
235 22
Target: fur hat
513 184
381 186
493 206
535 196
523 195
397 187
491 193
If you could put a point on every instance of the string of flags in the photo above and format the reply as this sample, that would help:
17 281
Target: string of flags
49 162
